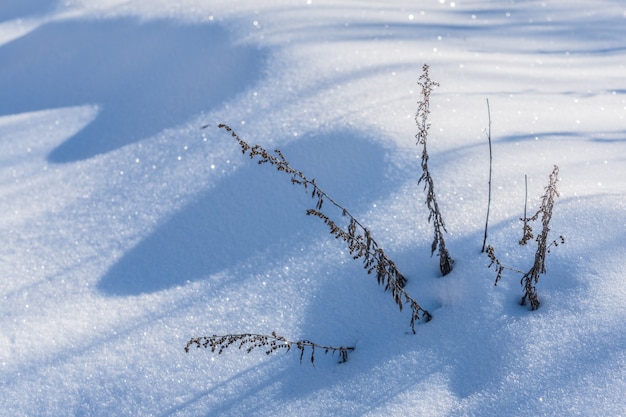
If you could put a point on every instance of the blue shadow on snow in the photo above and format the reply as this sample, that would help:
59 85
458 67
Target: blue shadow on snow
256 211
144 77
16 9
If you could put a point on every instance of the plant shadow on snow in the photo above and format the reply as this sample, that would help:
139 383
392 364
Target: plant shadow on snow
255 211
350 308
143 77
477 350
478 330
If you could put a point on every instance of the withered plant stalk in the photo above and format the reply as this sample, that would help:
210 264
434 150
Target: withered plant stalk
270 343
360 242
531 278
423 126
490 171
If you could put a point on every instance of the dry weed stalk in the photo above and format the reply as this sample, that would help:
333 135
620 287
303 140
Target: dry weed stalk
270 343
360 242
488 134
421 119
531 278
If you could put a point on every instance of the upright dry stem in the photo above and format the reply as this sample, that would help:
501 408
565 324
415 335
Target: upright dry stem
490 170
530 279
423 126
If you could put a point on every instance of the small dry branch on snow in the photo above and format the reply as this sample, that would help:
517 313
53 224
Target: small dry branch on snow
270 343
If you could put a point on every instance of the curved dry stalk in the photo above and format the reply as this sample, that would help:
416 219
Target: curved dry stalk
360 242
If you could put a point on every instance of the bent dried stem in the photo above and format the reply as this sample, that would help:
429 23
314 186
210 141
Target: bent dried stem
270 343
360 242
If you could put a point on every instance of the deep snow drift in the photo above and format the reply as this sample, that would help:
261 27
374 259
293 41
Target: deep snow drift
128 229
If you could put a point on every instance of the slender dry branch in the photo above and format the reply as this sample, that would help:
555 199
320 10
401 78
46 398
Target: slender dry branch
270 343
421 119
360 242
490 170
499 266
527 230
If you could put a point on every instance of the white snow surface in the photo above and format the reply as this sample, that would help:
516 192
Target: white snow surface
128 229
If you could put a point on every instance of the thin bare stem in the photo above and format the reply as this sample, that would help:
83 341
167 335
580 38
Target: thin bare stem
525 194
527 230
490 170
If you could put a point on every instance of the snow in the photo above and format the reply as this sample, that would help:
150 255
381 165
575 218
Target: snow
127 229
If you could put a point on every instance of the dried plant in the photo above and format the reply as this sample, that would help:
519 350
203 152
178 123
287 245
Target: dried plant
499 266
421 119
531 278
270 343
488 134
360 242
527 230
